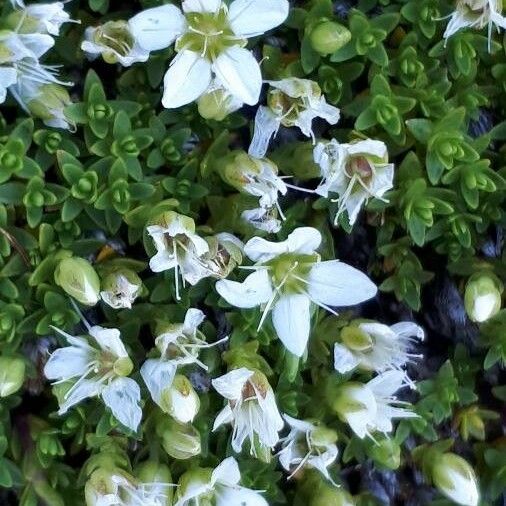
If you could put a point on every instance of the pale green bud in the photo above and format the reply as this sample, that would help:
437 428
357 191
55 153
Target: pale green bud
323 436
328 495
196 478
217 104
77 277
328 36
482 297
100 484
455 478
180 440
158 476
12 375
180 399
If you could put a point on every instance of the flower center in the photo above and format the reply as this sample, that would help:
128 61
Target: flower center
290 271
116 36
209 34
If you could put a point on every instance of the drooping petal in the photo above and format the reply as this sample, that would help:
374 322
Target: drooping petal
193 318
109 340
266 126
157 28
291 319
227 472
387 383
84 390
66 363
249 18
123 396
225 416
344 360
227 496
230 385
256 289
8 76
188 77
239 73
158 375
335 283
408 329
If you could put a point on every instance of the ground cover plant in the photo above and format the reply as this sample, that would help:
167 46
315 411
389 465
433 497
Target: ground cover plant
252 252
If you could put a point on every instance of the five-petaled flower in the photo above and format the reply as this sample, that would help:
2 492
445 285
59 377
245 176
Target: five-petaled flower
356 172
289 276
251 409
97 365
210 44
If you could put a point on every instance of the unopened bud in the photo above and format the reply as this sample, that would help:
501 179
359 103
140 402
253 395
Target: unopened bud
482 298
12 375
181 441
217 104
49 103
328 36
180 400
77 277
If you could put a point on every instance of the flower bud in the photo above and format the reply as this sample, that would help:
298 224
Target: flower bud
99 485
180 400
194 479
217 104
482 297
455 478
181 441
331 496
156 475
328 36
120 288
386 452
12 375
77 277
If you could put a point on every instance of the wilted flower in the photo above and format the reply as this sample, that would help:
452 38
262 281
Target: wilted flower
370 407
455 478
476 14
12 375
289 276
120 288
376 347
219 486
115 42
178 246
96 367
251 409
483 296
116 488
79 280
308 444
356 172
210 39
291 102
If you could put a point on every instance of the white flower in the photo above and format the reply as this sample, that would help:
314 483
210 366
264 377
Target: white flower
178 246
308 444
370 407
251 409
17 3
263 219
476 14
288 278
219 487
8 77
456 479
376 347
94 369
48 17
291 102
115 42
120 292
356 172
210 39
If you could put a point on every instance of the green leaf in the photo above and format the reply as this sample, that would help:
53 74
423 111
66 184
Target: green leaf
12 193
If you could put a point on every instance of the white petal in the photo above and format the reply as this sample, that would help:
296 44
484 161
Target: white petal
239 73
227 472
230 385
109 340
344 360
37 43
188 77
201 5
408 329
249 18
225 416
85 389
228 496
266 125
8 76
158 376
383 180
256 289
192 319
298 425
123 396
66 363
291 319
367 147
157 28
387 383
303 240
335 283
